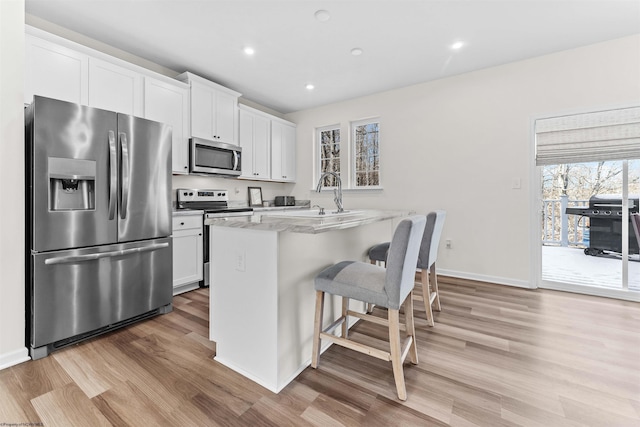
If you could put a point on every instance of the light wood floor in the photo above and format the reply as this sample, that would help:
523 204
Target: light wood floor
498 356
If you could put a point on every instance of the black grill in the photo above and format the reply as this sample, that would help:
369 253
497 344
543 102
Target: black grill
605 223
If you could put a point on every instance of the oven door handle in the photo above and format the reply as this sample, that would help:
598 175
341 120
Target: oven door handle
93 257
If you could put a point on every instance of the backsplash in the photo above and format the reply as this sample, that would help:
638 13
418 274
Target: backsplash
237 188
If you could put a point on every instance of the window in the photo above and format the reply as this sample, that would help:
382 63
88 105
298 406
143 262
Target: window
366 153
359 165
329 144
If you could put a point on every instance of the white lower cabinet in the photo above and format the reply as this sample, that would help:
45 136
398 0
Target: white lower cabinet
187 252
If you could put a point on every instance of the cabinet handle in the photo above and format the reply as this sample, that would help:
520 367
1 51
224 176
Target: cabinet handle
199 234
182 223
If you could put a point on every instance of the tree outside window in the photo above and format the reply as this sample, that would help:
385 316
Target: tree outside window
329 145
366 153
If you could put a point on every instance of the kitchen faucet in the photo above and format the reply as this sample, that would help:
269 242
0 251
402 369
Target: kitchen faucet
337 193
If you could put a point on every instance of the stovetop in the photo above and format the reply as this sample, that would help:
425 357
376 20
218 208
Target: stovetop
210 201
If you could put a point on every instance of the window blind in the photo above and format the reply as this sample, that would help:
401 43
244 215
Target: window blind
589 137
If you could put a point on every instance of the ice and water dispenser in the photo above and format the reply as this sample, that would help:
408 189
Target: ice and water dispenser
71 184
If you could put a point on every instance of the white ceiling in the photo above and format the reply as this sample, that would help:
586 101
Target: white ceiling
404 41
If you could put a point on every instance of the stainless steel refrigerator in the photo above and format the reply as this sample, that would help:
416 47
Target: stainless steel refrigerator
99 205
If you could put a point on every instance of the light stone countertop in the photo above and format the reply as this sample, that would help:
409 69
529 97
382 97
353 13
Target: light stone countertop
308 222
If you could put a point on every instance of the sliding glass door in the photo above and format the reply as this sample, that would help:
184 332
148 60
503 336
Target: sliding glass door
589 191
586 237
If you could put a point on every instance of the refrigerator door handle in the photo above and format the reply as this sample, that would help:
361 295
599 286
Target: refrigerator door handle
113 175
124 146
92 257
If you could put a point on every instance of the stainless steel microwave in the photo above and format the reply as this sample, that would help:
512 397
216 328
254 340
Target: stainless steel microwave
214 157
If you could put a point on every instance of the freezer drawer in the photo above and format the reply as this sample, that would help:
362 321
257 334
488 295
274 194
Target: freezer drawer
78 291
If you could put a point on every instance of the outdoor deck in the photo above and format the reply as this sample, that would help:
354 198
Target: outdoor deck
571 265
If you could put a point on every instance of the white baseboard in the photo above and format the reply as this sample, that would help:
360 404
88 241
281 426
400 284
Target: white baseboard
14 357
488 279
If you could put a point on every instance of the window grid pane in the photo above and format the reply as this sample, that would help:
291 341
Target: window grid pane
367 155
330 155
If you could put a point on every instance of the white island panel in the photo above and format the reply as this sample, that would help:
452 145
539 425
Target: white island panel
263 296
243 292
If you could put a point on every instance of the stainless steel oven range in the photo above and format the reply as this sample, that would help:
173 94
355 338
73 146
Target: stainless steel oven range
215 204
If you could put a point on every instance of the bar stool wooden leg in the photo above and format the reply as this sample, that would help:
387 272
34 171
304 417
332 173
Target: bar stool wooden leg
345 324
317 327
433 281
396 353
369 308
411 328
426 295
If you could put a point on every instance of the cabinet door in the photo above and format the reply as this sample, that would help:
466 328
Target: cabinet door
54 71
114 88
262 147
226 121
187 256
283 152
202 111
167 103
255 140
288 153
245 139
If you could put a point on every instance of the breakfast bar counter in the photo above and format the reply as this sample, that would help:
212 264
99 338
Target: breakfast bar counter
262 294
305 220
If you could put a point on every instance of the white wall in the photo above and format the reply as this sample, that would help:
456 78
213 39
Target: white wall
458 143
12 318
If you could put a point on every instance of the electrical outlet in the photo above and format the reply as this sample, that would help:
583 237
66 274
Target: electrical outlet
516 183
241 264
448 243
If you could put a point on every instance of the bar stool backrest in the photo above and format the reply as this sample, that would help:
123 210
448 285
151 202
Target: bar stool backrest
402 259
431 239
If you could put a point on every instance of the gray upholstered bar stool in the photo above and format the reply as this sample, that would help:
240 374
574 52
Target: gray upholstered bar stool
426 261
390 287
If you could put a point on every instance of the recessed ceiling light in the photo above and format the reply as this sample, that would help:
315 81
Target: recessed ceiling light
249 50
322 15
309 86
356 51
457 45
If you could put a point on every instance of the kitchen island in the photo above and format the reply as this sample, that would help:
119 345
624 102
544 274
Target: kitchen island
262 295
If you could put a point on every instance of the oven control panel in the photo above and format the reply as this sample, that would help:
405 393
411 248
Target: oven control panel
195 195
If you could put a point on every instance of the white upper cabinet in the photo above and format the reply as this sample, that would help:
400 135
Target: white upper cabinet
61 69
283 151
54 71
115 88
255 140
214 110
169 103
